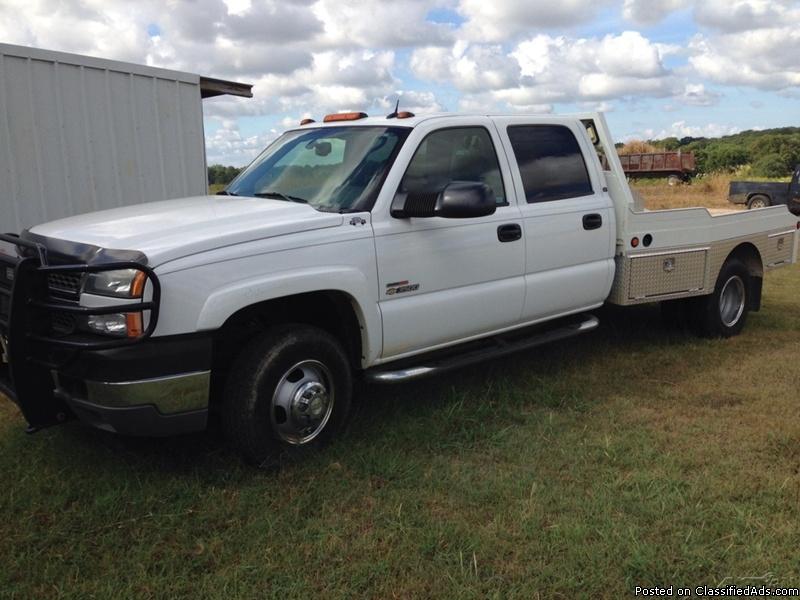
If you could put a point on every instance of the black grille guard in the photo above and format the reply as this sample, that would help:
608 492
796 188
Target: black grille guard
30 347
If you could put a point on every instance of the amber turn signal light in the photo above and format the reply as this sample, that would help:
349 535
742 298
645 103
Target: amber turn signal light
348 116
133 322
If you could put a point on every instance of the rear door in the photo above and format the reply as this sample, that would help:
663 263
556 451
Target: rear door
448 280
568 215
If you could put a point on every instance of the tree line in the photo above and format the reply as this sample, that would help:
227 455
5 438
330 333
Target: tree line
222 174
768 153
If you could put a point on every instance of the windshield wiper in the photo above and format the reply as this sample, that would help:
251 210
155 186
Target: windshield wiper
282 196
226 193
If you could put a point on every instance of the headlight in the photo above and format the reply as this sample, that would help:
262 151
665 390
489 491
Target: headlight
114 324
123 283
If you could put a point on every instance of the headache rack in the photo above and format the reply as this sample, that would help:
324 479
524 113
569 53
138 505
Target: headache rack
39 305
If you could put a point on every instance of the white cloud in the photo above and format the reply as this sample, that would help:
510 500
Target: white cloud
412 101
742 15
696 94
469 68
649 12
502 20
227 145
681 129
763 58
372 23
544 69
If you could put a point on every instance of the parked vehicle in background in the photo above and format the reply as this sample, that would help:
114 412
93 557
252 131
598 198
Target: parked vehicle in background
760 194
677 166
384 249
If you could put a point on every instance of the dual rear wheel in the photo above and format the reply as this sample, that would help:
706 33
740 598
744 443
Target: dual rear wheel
722 313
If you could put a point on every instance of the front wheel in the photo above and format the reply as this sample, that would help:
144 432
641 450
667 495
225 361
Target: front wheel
289 391
724 312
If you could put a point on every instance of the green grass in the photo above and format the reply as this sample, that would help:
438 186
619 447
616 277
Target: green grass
632 456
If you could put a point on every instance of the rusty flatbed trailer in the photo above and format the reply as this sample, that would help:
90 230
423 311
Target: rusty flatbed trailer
680 165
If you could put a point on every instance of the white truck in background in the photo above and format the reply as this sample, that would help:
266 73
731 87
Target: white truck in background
382 248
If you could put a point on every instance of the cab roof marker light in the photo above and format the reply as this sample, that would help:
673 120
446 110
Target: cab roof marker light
404 114
348 116
307 121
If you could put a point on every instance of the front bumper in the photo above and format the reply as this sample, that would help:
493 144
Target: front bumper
137 386
152 407
160 387
145 390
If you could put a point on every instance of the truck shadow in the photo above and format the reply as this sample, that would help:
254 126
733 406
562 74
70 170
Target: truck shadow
380 407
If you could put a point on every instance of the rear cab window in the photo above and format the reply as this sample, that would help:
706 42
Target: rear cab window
550 162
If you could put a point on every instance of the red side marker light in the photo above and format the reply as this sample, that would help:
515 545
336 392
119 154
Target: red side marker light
635 242
348 116
307 121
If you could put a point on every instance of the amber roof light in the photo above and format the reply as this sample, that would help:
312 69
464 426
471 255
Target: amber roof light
348 116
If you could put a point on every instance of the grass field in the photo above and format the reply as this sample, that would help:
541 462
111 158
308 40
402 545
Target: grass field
634 456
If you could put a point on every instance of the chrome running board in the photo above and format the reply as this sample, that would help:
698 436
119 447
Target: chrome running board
490 348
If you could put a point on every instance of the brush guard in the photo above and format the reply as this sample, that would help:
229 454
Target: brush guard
32 348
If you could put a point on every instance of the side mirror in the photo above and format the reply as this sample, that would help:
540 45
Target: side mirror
459 200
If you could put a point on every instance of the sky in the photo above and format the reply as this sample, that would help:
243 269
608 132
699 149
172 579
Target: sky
657 68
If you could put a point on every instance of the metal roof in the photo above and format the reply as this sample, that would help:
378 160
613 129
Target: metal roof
209 87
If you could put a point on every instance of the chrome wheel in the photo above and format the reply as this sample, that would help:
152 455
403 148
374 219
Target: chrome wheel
732 301
302 402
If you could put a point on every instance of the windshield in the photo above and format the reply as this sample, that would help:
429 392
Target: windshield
335 169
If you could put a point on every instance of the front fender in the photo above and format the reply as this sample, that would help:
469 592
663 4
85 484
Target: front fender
223 303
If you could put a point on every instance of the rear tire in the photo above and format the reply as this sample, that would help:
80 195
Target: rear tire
758 201
724 313
288 393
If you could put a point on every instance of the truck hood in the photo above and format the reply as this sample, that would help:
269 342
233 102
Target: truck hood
171 229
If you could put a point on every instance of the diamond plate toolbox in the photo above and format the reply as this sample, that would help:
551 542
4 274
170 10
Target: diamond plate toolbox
662 273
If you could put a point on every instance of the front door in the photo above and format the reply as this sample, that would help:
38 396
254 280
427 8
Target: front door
447 280
569 221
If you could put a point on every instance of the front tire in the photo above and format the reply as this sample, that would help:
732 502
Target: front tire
724 313
288 392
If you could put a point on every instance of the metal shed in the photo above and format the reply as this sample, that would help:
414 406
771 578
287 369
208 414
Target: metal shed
79 134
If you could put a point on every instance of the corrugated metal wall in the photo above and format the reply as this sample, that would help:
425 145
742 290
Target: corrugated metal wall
79 134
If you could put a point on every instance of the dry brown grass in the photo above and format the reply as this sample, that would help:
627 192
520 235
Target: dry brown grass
638 147
710 191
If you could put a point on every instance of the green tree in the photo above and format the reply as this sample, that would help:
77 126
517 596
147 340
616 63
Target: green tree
771 165
725 157
221 174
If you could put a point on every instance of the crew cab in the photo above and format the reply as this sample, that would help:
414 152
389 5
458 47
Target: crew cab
386 249
760 194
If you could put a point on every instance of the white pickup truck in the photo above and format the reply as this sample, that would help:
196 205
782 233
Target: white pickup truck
378 248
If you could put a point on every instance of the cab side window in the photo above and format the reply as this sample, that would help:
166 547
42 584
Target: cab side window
550 162
457 154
